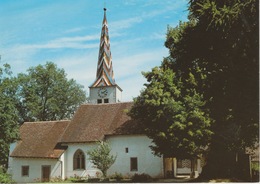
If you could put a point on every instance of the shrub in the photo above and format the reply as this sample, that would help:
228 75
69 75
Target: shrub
5 177
141 178
101 157
255 171
255 166
76 179
56 179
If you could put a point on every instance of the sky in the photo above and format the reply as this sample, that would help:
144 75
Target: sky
67 33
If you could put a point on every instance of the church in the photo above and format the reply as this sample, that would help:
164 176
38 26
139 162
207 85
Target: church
52 149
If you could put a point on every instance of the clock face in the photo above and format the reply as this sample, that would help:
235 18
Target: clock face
102 92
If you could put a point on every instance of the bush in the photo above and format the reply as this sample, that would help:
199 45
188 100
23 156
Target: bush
4 177
76 179
255 171
56 179
141 178
255 166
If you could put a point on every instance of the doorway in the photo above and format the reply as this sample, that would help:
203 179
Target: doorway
46 172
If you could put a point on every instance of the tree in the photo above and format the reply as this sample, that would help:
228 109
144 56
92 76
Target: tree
101 157
8 114
46 94
174 117
221 40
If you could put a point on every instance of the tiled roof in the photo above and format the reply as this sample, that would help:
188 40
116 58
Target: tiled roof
90 123
94 122
39 139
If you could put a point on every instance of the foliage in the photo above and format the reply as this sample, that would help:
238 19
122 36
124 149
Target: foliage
101 157
255 166
56 179
8 114
219 45
175 118
45 94
4 177
227 33
141 178
214 59
76 179
255 171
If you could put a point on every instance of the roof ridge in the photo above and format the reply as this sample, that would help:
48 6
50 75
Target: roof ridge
52 121
105 104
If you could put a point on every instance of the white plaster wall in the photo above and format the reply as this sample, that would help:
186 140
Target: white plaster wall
118 95
91 170
35 169
138 146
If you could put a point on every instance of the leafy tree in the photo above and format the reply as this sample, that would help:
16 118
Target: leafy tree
221 41
101 157
173 116
45 94
8 113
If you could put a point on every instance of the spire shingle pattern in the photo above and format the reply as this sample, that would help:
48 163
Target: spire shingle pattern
105 74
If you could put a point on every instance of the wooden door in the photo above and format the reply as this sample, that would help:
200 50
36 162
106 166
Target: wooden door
46 172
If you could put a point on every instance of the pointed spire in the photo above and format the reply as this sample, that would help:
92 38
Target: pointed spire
105 74
105 17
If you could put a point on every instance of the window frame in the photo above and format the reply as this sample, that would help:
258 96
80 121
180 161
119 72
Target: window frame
79 160
25 170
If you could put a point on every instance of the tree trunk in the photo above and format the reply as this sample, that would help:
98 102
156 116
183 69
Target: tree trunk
227 165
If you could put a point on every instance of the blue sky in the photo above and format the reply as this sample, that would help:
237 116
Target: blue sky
67 33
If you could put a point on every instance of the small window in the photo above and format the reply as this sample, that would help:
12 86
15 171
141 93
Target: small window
133 164
99 101
25 170
126 150
106 100
79 160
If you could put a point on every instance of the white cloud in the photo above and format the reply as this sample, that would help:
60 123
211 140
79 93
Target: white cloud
126 66
126 23
77 38
158 36
73 30
78 42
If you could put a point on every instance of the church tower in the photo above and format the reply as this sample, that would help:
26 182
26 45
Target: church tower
104 89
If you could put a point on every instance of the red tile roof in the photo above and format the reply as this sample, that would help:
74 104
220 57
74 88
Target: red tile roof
94 122
39 139
90 123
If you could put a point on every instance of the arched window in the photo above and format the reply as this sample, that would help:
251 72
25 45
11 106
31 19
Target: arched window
78 160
